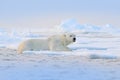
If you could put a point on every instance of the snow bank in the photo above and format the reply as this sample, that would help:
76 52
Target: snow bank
72 25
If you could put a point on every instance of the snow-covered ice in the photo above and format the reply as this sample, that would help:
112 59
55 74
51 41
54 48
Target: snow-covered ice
95 54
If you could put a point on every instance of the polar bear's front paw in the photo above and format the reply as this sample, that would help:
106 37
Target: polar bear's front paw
61 49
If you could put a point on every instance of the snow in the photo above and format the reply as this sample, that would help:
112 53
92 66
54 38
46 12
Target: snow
61 73
95 54
72 25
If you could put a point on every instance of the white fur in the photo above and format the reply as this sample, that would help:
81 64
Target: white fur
53 43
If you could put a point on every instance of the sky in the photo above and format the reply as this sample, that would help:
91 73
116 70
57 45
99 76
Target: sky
49 13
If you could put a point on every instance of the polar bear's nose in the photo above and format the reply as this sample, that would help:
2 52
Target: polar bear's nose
74 39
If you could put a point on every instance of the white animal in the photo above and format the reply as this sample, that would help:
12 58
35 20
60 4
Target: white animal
53 43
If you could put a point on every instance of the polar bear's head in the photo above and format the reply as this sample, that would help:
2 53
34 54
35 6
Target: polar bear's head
68 38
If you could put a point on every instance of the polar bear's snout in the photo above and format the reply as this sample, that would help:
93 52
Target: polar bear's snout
74 39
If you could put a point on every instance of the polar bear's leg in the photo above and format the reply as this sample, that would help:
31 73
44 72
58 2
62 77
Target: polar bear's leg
66 49
58 47
62 48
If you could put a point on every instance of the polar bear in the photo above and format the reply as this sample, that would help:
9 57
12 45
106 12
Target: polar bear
53 43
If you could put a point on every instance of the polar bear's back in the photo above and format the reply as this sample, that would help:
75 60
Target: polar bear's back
37 44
